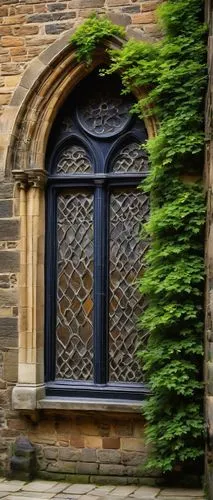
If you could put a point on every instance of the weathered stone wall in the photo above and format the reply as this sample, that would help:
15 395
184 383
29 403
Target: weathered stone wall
9 267
27 27
92 446
67 442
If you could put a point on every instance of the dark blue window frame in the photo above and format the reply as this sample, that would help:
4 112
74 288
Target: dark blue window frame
101 182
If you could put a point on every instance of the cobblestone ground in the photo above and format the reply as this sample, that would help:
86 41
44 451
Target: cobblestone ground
45 490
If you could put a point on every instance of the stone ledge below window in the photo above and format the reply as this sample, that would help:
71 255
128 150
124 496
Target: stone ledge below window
53 403
32 397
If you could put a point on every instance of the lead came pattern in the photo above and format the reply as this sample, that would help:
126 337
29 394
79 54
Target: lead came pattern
131 158
128 209
73 159
74 346
104 114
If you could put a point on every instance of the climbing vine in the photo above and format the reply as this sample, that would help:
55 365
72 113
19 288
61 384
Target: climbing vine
91 33
173 73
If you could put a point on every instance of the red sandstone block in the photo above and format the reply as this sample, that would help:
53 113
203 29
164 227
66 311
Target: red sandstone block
82 4
5 30
19 19
25 30
84 13
110 443
150 5
115 3
17 424
19 59
12 41
21 9
3 11
40 8
77 442
34 51
143 18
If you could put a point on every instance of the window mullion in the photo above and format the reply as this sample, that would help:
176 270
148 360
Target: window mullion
101 283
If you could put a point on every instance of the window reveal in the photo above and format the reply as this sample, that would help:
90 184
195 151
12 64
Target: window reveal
94 251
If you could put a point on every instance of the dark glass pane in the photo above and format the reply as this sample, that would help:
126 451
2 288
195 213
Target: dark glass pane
131 158
74 346
73 159
127 211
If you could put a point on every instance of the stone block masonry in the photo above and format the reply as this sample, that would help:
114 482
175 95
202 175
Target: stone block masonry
28 27
90 445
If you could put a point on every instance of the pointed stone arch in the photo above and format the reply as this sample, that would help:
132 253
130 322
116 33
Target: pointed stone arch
25 129
43 87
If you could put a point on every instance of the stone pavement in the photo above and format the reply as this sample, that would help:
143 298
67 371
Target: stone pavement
45 490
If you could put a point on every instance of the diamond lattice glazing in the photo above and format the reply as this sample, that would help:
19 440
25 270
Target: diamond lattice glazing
73 159
131 158
127 210
74 342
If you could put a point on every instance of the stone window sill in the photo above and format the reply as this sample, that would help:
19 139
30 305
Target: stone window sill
53 403
32 397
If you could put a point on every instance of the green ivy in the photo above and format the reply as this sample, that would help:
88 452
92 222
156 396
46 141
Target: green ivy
91 33
173 73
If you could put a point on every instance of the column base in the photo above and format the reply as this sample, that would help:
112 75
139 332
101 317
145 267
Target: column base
25 397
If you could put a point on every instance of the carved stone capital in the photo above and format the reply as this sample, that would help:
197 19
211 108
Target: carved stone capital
20 177
30 178
36 178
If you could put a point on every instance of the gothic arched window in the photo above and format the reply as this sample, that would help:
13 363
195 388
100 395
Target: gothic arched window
94 255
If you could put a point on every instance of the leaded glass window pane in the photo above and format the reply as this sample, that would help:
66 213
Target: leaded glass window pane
73 159
131 158
127 210
95 163
74 343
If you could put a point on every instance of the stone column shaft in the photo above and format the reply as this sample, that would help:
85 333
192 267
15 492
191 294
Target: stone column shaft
31 322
